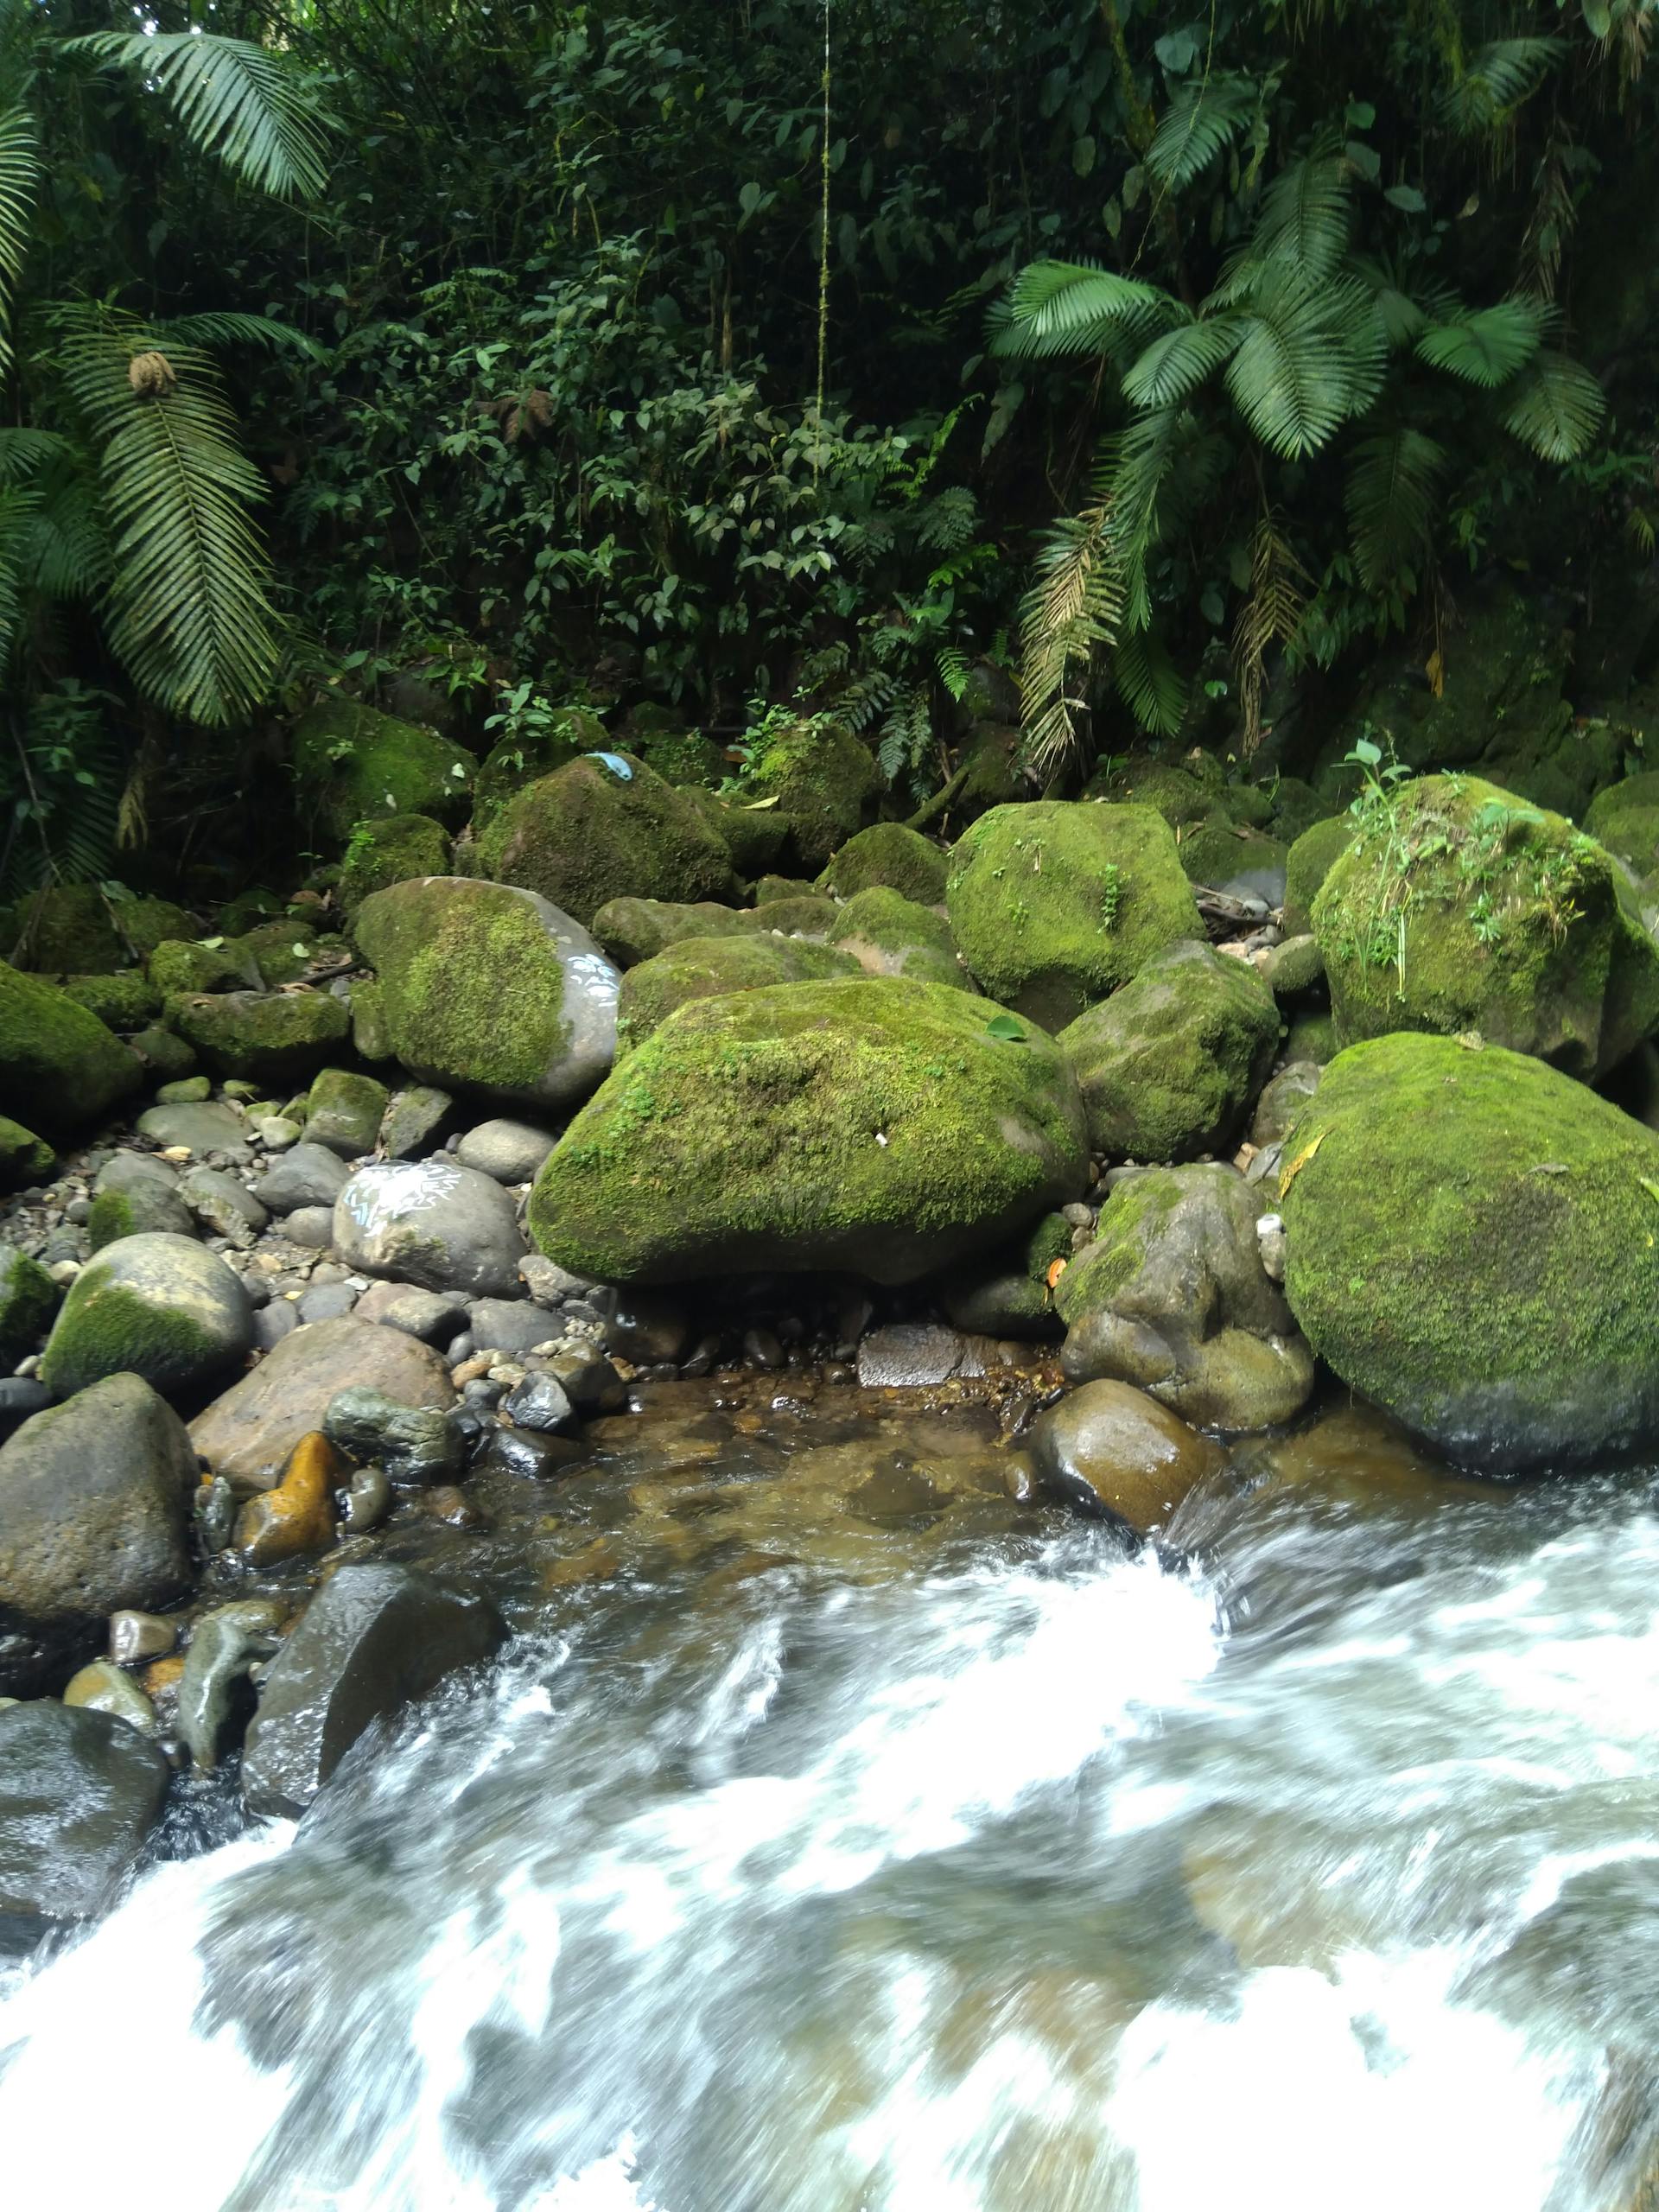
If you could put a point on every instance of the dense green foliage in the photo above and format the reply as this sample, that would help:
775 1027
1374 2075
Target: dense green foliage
733 362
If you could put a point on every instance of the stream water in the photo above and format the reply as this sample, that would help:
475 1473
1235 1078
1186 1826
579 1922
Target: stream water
971 1863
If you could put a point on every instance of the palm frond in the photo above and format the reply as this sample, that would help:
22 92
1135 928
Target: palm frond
226 329
1202 120
1061 307
68 547
1150 684
253 109
1270 616
23 452
1495 81
1312 355
187 601
1554 406
1390 500
20 168
1306 213
1175 364
1147 455
19 505
1484 345
1074 605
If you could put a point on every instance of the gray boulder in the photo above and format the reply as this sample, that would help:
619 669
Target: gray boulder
222 1205
308 1175
431 1222
511 1325
372 1638
199 1126
79 1791
94 1506
510 1151
162 1307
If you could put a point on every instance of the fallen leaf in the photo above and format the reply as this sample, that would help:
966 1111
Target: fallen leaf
1434 670
1056 1269
1297 1164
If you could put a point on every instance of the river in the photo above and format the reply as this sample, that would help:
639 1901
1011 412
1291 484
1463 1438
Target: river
1310 1860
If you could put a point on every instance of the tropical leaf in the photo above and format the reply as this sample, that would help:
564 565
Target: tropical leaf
23 452
1202 121
1484 345
1390 494
1312 355
1074 605
20 168
1554 406
1152 687
231 329
1271 616
186 597
1306 213
1175 364
253 109
1495 81
1060 307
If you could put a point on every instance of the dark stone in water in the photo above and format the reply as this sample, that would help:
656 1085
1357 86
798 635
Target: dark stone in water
522 1452
79 1791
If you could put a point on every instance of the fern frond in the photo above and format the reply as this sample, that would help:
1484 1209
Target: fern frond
1484 345
1146 455
907 734
1175 365
1495 81
1205 117
1075 604
1060 307
1151 685
1554 406
18 507
948 520
187 601
1390 500
253 109
955 671
20 170
68 547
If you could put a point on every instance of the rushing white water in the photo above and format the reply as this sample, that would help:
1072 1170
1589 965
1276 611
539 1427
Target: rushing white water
1323 1872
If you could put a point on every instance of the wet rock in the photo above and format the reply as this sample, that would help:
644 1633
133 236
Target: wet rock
590 1383
413 1120
434 1316
530 1452
139 1635
141 1206
539 1402
93 1498
1283 1100
430 1221
224 1647
345 1112
512 1152
308 1175
200 1128
549 1284
297 1517
213 1509
646 1328
1172 1297
1112 1449
909 1354
163 1307
511 1325
247 1434
224 1205
374 1638
453 1507
21 1396
416 1445
368 1500
79 1791
188 1090
276 1132
101 1686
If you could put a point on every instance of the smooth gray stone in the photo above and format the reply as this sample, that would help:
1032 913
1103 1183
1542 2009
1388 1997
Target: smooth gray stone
79 1791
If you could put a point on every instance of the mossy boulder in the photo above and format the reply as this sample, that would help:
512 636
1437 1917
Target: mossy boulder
678 755
276 1038
167 1059
343 1111
890 935
1186 791
1172 1297
65 929
1055 905
1309 860
512 762
354 763
1232 856
389 851
809 916
1312 1036
1460 907
1006 1294
771 888
1297 808
282 952
1472 1241
145 922
123 1002
1170 1065
163 1307
884 1127
1625 819
182 964
28 1299
490 987
755 837
139 1206
24 1158
820 779
588 834
60 1067
632 930
246 911
891 855
708 968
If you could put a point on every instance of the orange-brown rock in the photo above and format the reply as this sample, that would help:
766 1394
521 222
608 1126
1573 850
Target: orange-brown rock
297 1517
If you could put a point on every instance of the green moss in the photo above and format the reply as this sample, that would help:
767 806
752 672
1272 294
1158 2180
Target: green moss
586 836
821 778
1297 807
891 935
105 1328
1169 1065
1296 969
753 837
872 1124
354 763
371 1030
708 968
168 1057
1054 906
1185 792
66 929
272 1038
1310 859
390 851
282 952
632 929
891 855
1049 1241
771 888
810 917
1473 1242
1459 907
471 981
1625 818
679 756
1312 1036
1219 853
176 966
28 1299
514 763
246 911
24 1158
121 1002
343 1111
59 1065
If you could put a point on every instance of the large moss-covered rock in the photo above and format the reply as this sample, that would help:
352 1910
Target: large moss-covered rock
491 987
1460 907
64 929
891 935
354 763
755 837
28 1299
24 1158
145 922
511 762
279 1040
162 1307
60 1067
1625 818
390 851
1172 1296
1055 905
889 854
1473 1242
123 1002
179 965
874 1124
632 930
820 778
708 968
1169 1065
589 834
1309 860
